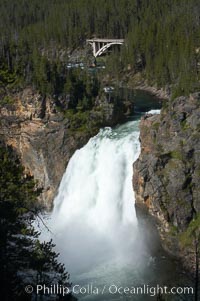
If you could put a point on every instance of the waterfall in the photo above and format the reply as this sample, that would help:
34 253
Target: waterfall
94 223
94 215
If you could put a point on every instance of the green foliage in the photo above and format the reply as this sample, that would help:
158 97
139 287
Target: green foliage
192 233
184 125
77 120
156 125
33 35
176 154
81 89
162 40
23 259
190 238
6 77
173 230
6 100
164 44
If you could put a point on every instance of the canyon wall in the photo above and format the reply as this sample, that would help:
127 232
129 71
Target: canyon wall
167 172
45 138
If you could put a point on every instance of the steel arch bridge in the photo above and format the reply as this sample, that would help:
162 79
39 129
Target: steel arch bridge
100 46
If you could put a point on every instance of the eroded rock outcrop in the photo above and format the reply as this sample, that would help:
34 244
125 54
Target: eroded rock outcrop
46 138
39 134
167 172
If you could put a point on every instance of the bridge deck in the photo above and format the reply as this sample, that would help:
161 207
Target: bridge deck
106 40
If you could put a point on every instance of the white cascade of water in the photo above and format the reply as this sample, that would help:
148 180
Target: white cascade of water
94 217
94 223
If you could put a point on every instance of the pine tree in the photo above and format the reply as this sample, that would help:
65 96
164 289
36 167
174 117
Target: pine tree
23 259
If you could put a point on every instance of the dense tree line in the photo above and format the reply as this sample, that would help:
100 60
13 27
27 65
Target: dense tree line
162 39
162 42
165 43
24 260
33 33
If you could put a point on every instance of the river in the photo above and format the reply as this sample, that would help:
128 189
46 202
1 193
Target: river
94 223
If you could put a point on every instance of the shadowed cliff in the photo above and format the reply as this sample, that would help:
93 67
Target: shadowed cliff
166 174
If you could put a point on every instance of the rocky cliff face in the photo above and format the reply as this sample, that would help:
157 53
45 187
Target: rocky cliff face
43 138
39 134
167 172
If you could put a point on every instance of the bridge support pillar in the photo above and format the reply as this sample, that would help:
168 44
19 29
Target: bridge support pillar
100 46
